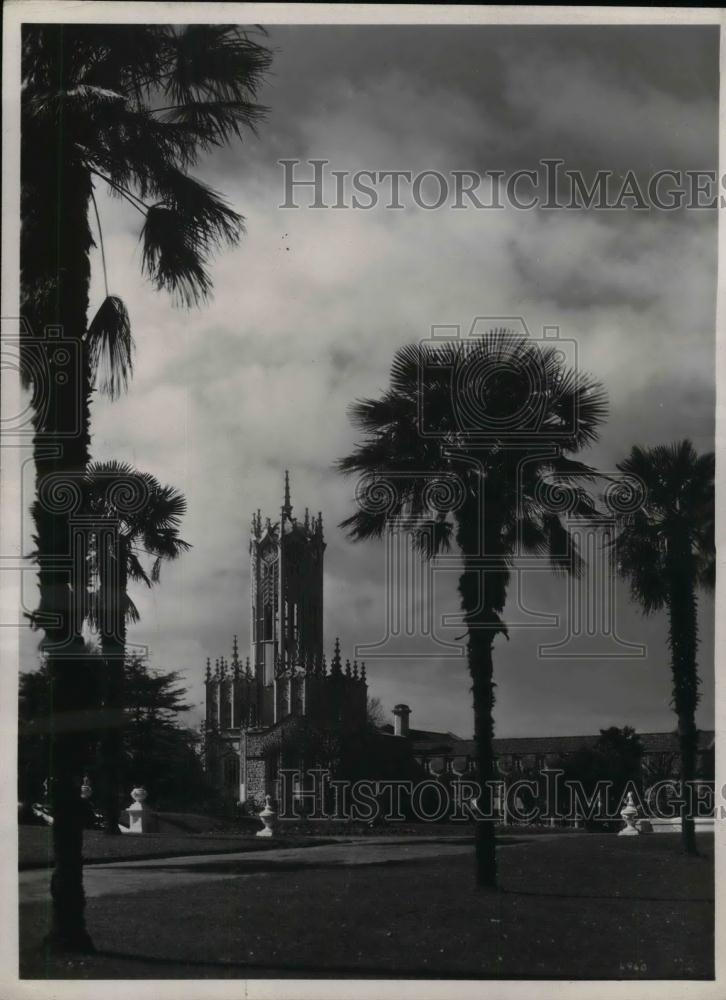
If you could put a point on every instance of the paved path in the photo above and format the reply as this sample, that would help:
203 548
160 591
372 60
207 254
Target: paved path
122 877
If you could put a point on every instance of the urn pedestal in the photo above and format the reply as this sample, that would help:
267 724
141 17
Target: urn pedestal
267 816
629 815
141 817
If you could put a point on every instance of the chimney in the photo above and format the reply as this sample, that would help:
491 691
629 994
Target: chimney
400 720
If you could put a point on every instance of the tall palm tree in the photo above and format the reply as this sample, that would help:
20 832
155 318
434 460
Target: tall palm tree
501 415
666 549
130 107
136 518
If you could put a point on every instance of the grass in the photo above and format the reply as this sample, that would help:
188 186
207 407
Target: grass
181 834
35 847
581 907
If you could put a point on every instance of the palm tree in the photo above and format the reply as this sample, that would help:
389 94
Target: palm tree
666 549
501 415
131 107
143 519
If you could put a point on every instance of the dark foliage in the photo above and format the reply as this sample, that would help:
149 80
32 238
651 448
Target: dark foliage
157 749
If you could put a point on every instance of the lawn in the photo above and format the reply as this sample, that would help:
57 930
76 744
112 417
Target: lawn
586 906
35 847
184 833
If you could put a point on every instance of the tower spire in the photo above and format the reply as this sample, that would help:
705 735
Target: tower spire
287 506
335 663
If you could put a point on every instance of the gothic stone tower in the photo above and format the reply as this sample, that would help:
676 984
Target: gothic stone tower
286 625
257 712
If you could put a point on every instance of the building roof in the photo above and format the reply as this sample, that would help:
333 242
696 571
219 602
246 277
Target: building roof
425 742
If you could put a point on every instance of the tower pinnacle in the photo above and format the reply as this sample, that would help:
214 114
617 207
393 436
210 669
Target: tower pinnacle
335 663
287 506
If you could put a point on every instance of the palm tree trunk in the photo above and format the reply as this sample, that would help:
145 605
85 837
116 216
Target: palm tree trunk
473 593
683 641
114 577
481 668
481 593
67 757
55 274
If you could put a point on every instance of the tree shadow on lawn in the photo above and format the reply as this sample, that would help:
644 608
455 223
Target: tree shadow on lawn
134 964
243 867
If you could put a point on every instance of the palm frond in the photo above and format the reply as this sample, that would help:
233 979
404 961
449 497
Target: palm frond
577 407
213 123
165 544
216 61
210 222
170 258
132 612
111 346
110 469
136 571
671 534
562 549
567 468
376 415
365 524
81 101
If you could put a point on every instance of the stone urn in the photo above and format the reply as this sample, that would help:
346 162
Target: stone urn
629 814
267 816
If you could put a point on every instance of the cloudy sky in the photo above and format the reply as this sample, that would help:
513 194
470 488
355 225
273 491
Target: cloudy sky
309 309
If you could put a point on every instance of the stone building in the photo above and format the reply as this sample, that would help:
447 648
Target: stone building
261 713
440 753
